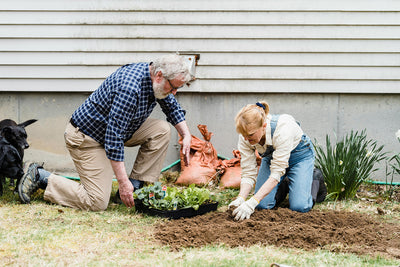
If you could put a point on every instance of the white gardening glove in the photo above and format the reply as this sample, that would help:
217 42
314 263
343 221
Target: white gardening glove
237 202
245 209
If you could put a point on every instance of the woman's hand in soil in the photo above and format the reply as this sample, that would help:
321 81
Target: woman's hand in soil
245 210
237 202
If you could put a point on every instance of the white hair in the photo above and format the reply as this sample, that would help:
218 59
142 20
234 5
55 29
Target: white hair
172 66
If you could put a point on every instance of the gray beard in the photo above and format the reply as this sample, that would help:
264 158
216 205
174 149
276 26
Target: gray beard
158 89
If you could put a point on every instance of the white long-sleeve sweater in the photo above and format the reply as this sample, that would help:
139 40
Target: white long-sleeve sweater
286 137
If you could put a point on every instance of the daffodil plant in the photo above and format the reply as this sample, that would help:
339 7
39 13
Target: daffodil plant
393 168
348 163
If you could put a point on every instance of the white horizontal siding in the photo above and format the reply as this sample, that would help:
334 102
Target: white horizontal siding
255 17
204 5
207 59
216 86
215 72
199 32
244 46
200 45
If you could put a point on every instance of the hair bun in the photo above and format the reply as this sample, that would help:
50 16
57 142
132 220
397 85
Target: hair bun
260 105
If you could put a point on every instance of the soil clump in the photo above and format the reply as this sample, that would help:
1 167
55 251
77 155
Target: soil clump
337 231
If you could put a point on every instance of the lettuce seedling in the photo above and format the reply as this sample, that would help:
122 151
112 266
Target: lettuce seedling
173 198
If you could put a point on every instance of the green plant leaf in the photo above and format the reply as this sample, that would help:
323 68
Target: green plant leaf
348 163
190 197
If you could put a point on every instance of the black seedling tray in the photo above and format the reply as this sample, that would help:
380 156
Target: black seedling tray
176 214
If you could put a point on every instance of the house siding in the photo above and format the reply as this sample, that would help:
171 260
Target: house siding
251 46
334 65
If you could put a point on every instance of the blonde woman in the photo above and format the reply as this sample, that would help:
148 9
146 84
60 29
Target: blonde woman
286 152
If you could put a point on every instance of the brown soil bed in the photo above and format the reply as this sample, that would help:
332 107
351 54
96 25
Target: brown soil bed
337 231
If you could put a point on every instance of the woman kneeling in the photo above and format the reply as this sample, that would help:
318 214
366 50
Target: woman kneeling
286 152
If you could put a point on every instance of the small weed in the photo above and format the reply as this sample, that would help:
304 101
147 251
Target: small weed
169 177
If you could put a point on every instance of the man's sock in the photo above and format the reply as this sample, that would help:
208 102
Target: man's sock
43 178
136 183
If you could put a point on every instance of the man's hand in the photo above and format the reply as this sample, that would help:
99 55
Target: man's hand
126 193
183 130
245 209
186 148
237 202
125 186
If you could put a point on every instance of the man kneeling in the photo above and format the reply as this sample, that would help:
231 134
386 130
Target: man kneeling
114 116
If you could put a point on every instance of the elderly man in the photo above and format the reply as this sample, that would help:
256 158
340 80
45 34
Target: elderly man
114 116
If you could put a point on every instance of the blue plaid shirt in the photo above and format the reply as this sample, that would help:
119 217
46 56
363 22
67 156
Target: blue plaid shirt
112 113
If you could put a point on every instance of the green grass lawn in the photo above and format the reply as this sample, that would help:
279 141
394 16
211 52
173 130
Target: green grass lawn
42 234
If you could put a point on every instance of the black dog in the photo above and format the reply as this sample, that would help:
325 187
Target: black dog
10 163
15 135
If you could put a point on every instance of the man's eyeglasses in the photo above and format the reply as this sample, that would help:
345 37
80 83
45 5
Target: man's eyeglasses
173 87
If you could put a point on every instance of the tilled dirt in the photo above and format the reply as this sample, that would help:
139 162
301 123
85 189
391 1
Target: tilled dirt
337 231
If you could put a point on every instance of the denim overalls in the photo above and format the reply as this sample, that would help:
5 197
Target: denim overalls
299 173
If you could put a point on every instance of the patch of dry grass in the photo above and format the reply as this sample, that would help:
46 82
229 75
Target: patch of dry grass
41 234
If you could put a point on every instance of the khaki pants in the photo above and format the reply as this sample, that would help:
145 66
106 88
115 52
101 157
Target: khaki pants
95 171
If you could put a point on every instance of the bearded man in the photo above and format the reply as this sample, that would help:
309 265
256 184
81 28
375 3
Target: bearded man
112 117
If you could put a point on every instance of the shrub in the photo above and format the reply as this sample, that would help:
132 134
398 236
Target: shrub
394 161
392 170
348 164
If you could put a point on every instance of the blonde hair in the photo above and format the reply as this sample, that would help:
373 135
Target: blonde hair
251 116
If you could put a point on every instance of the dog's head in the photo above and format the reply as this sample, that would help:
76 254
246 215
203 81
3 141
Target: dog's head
10 161
16 135
9 122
